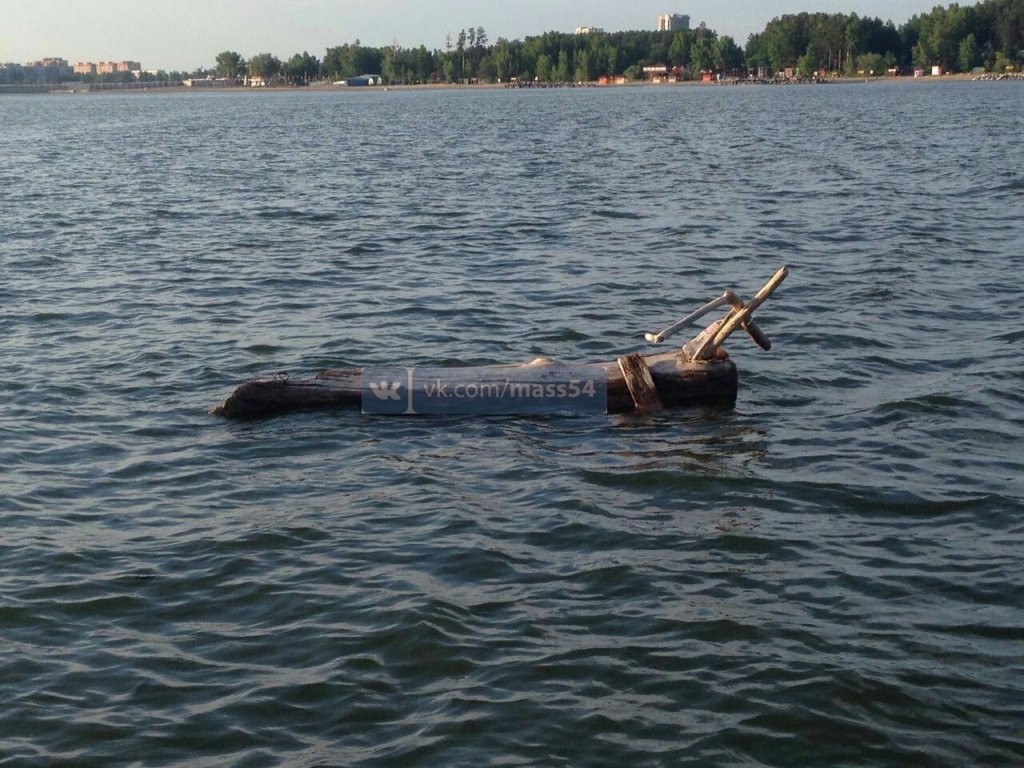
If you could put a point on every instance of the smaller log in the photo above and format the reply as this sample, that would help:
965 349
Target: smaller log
640 384
742 316
749 325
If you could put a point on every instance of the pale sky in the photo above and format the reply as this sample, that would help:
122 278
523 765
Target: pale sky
187 34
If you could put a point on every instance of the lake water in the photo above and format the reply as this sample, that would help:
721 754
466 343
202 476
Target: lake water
830 573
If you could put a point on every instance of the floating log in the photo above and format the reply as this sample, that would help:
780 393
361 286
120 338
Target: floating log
676 383
701 373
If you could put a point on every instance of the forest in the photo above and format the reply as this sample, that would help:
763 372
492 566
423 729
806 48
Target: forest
955 38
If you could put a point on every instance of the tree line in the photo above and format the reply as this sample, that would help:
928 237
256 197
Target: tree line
956 38
549 57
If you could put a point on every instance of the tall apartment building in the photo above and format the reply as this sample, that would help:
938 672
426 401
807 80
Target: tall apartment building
673 21
110 67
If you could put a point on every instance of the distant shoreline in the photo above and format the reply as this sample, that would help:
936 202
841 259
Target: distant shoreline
85 89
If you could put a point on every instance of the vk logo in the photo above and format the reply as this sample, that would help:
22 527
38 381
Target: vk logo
386 390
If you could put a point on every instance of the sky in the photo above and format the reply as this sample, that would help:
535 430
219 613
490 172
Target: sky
185 35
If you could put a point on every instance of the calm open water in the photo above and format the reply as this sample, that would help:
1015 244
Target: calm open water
831 573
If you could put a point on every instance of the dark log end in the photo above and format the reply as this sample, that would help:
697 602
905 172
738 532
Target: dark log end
261 397
680 383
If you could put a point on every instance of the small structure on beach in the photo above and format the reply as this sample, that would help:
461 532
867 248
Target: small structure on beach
361 80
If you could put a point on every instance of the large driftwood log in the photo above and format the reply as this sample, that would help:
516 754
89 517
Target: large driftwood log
677 383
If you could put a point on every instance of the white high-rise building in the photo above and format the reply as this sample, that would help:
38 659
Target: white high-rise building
672 21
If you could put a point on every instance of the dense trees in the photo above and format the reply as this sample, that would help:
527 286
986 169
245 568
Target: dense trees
957 38
352 59
990 34
818 41
302 68
549 57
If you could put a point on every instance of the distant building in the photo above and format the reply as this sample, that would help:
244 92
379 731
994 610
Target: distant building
84 68
49 62
362 80
589 31
670 22
49 70
656 73
113 67
208 82
11 73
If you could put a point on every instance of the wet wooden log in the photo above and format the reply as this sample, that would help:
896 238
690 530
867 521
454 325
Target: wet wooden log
677 383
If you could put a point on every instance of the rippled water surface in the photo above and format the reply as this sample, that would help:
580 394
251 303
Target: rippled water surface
829 573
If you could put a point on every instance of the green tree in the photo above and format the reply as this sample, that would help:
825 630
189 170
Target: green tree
756 52
1008 28
230 64
613 60
367 61
391 65
785 40
460 48
702 54
970 53
806 65
679 49
870 64
583 73
449 69
265 65
728 55
562 70
501 58
302 68
543 70
338 62
487 70
423 64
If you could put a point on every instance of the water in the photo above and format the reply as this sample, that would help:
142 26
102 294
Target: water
827 574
